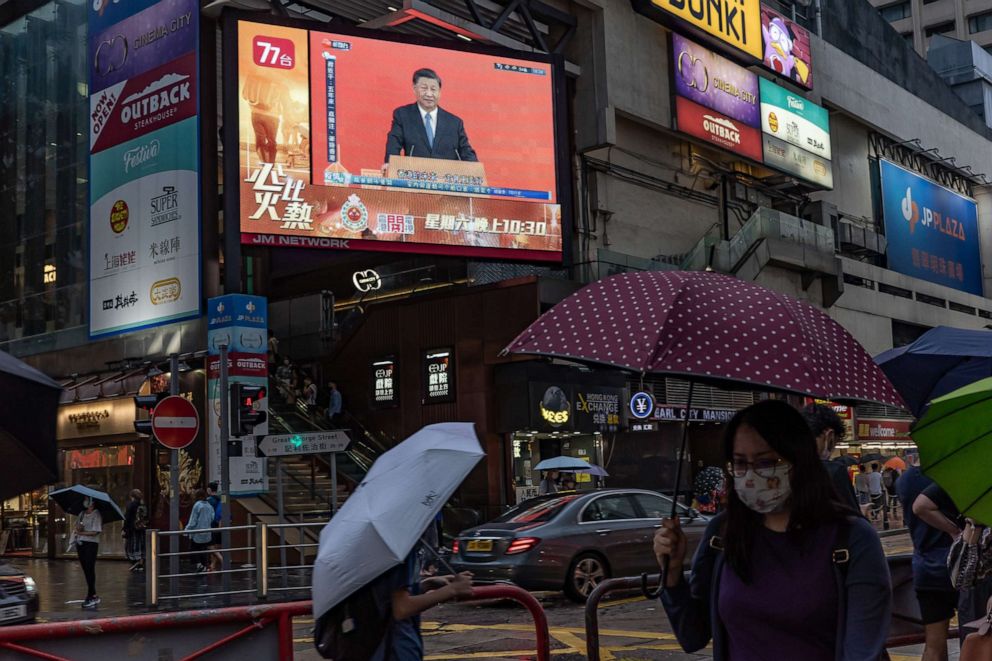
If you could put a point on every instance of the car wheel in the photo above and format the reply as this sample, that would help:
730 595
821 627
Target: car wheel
586 572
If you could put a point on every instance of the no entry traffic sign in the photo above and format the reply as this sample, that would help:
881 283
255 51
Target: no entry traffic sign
175 422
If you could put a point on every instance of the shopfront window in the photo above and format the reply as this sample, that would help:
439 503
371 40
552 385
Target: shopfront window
44 136
530 448
24 529
107 468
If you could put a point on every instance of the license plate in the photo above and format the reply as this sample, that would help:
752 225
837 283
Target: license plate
13 613
480 545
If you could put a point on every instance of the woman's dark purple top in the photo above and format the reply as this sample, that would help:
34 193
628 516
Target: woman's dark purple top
789 609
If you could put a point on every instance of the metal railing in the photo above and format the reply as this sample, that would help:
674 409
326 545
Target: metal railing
261 572
215 632
224 633
153 564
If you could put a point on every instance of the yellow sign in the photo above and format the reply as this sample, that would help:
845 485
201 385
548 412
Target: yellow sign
736 22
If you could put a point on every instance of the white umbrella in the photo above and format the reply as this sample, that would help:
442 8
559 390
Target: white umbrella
381 522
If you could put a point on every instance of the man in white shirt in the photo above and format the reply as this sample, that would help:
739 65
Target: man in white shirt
875 490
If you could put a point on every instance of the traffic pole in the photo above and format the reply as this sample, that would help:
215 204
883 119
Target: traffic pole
174 485
334 483
225 471
281 505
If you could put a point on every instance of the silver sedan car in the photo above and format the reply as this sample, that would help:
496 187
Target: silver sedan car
571 541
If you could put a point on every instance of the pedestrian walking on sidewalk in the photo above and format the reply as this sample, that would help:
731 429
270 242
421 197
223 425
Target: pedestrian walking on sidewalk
863 488
86 537
135 523
199 528
875 491
783 527
931 517
213 497
828 430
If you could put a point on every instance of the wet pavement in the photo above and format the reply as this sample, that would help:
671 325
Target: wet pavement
631 627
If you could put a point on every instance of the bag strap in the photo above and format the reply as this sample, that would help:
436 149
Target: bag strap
841 554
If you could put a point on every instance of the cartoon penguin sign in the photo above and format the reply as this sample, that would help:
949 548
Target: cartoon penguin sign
786 48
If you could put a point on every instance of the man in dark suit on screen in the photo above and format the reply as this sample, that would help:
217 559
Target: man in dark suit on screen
425 130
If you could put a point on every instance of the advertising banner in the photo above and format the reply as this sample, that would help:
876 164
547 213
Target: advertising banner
161 33
240 322
932 232
149 101
736 23
105 13
144 232
882 429
717 129
378 180
796 120
715 82
385 383
788 158
438 376
786 48
144 188
597 408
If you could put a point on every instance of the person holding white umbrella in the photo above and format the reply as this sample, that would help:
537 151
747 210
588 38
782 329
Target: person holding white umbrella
367 593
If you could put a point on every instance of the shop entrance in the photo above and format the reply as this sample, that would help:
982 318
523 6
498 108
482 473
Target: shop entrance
530 448
107 468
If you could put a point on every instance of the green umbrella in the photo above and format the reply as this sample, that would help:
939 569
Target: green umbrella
955 441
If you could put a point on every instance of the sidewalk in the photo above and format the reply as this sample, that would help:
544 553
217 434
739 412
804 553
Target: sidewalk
62 587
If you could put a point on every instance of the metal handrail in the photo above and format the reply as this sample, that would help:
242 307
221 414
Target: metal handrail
14 638
257 617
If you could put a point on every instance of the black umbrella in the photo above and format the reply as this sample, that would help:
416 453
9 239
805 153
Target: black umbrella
873 456
27 427
845 460
71 500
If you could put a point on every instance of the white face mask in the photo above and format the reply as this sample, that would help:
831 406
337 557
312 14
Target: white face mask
764 494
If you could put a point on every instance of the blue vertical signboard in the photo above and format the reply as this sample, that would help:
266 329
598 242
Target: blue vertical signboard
144 224
241 323
932 232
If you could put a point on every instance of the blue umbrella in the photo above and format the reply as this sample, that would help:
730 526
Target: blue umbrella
940 361
563 463
593 469
71 498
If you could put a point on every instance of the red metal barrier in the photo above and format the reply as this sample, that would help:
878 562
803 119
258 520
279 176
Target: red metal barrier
527 600
15 638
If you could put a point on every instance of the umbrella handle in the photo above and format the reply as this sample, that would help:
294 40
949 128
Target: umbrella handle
654 594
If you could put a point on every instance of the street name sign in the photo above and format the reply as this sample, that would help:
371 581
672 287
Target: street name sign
322 442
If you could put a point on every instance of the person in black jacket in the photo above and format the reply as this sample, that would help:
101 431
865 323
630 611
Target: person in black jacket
424 129
828 429
135 523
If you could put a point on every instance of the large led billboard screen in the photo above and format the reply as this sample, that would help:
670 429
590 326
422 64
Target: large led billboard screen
367 143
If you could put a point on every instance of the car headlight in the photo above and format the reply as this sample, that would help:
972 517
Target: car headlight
30 585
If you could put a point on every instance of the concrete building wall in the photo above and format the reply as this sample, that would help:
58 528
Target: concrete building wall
648 210
852 169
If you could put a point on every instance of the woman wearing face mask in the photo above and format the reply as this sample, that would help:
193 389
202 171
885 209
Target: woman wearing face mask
787 571
86 537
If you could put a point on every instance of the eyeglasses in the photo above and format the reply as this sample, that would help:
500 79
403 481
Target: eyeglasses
762 467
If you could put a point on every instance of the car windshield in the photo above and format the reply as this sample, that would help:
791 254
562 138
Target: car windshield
540 510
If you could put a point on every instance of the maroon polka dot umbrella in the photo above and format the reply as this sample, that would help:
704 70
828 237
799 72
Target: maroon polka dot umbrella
704 326
709 327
